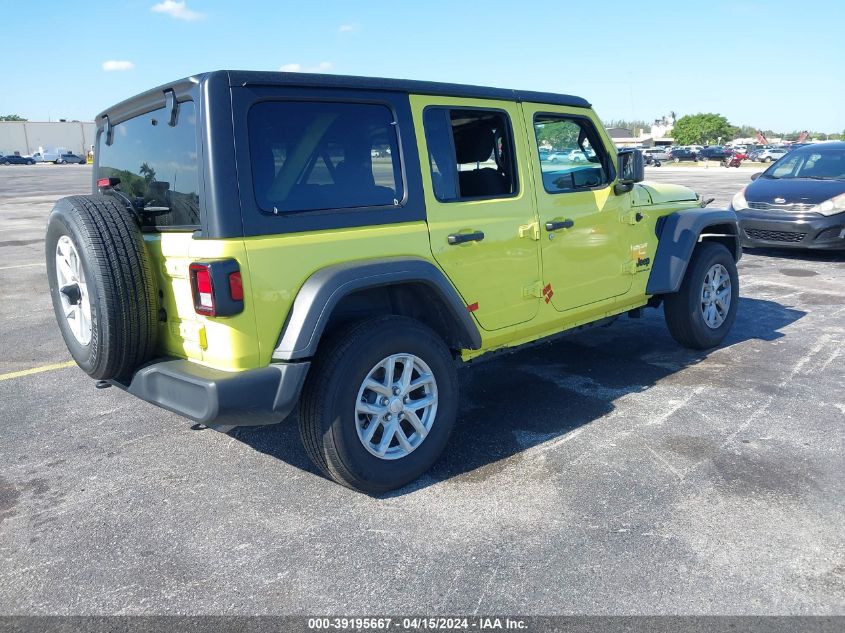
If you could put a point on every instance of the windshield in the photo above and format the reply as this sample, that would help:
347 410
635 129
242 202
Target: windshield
819 165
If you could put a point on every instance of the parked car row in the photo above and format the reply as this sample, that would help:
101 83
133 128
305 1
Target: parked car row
758 153
66 158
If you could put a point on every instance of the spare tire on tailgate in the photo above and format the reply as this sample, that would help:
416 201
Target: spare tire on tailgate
102 285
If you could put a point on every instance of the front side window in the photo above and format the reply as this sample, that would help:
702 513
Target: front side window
470 153
574 157
323 155
157 166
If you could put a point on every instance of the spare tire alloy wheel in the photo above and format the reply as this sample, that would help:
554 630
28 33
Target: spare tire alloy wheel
73 290
102 285
397 406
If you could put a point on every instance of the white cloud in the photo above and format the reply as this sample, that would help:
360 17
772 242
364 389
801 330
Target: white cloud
177 10
347 28
322 67
114 64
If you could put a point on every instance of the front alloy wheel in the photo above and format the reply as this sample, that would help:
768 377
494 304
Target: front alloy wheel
716 296
700 314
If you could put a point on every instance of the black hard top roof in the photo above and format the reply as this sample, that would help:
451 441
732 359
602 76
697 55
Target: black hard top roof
238 78
245 78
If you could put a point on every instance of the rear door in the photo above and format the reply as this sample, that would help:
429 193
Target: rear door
479 205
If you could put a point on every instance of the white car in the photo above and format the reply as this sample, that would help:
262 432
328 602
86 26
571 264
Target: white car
658 153
567 156
769 155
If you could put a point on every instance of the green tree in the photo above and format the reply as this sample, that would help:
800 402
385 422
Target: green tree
747 131
558 134
703 129
148 173
11 117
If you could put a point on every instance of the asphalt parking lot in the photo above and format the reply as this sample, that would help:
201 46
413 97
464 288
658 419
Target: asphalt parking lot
612 472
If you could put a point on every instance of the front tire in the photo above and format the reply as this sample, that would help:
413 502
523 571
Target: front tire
701 313
379 404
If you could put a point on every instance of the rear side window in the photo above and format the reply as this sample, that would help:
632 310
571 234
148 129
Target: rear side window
324 155
470 154
577 161
157 166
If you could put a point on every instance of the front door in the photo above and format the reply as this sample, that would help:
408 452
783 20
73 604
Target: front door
585 237
479 204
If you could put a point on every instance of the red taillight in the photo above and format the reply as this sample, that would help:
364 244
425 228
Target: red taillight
103 183
203 289
236 287
217 288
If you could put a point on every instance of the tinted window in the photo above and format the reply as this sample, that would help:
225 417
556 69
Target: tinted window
308 156
157 166
580 160
470 154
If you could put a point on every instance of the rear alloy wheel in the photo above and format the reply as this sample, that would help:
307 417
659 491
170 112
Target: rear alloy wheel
396 406
701 313
379 404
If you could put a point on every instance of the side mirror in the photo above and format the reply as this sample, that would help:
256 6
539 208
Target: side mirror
631 170
757 175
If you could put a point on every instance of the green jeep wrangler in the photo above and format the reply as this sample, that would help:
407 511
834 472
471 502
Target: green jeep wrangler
262 242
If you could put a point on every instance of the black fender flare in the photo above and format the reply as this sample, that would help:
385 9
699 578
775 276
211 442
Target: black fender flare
677 235
321 292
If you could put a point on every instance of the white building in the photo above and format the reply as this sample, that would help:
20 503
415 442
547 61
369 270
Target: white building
26 137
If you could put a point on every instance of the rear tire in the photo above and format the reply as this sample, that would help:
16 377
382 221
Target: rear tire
687 311
345 377
102 285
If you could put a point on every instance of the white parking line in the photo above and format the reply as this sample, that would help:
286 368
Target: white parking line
22 266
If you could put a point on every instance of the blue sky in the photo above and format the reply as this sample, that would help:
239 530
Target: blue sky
773 64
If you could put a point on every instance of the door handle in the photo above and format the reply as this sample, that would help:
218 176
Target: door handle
556 225
461 238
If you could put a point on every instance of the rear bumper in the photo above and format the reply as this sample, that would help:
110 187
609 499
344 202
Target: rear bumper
220 398
766 230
